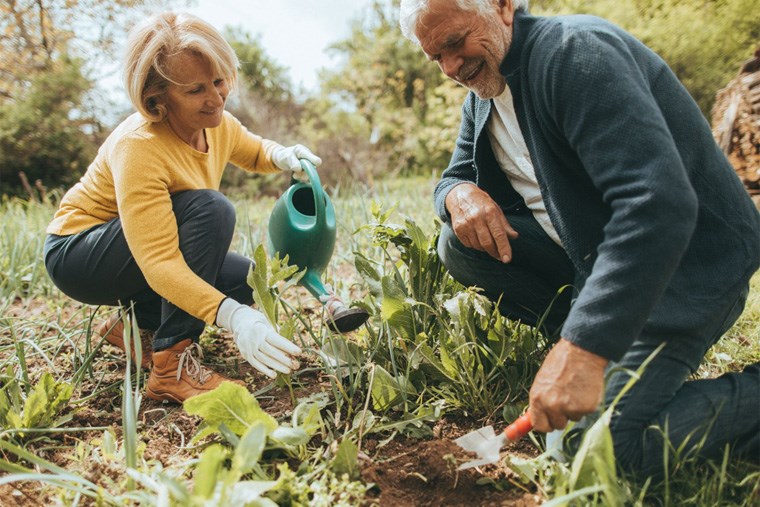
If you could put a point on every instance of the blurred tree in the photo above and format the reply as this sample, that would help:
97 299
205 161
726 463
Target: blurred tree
51 53
260 73
265 102
703 41
41 132
34 33
387 107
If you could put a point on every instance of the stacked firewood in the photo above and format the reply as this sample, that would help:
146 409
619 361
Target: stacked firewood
736 124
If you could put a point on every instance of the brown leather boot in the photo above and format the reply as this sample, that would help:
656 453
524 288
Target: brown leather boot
113 332
178 374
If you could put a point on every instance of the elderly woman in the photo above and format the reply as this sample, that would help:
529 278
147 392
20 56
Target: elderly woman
146 225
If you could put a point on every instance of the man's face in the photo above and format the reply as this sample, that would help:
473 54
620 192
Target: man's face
468 46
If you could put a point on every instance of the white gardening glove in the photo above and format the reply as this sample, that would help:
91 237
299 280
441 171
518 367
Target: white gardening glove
287 159
257 340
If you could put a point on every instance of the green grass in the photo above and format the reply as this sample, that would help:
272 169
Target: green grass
22 274
396 377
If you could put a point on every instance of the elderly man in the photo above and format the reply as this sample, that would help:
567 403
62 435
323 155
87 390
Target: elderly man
582 161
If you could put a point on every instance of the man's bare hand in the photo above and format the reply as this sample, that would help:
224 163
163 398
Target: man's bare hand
479 223
569 385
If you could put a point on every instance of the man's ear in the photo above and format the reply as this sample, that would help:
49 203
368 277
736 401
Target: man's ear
506 12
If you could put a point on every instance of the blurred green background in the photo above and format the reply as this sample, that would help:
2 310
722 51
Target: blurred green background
383 111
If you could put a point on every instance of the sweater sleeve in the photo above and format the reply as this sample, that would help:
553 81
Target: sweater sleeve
599 95
251 152
150 227
462 165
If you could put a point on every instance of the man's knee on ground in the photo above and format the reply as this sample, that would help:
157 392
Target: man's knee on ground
444 247
459 260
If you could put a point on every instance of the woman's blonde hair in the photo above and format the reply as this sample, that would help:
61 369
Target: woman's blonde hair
152 44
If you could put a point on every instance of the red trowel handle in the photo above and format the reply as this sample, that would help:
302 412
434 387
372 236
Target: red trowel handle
518 429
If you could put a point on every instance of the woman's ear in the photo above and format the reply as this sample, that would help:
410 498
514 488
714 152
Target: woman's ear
156 107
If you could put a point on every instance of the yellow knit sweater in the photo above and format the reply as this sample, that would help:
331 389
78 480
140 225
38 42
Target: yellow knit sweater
133 176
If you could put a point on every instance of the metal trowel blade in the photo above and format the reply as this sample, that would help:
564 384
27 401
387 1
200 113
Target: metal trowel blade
483 442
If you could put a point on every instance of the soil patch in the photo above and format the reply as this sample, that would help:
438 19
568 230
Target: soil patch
423 473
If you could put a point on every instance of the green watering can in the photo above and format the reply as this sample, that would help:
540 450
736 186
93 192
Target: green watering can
302 226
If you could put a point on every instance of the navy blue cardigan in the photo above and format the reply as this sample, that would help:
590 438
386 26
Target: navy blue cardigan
654 219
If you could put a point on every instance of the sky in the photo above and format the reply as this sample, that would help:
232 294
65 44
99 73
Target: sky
294 33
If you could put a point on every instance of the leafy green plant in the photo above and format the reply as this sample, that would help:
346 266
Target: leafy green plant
486 360
43 407
215 482
231 411
441 341
130 400
264 279
317 486
346 365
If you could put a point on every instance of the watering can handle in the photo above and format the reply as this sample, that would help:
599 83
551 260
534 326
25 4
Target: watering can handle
316 188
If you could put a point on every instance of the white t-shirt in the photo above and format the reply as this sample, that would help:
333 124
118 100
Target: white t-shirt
513 157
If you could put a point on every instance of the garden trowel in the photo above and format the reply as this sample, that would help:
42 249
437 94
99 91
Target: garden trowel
486 443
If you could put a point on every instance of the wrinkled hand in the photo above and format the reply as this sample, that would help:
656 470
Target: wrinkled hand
257 340
479 223
569 385
287 159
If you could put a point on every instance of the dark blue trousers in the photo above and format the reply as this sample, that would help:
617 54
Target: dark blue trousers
96 266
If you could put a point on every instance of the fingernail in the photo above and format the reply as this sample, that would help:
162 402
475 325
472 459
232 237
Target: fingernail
505 259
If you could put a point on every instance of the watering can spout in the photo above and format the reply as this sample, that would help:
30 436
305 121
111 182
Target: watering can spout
302 226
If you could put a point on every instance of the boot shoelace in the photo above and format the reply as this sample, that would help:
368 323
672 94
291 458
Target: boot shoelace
192 364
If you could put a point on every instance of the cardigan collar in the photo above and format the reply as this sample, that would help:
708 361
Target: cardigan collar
520 30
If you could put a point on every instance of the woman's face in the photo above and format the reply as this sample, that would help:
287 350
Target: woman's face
198 101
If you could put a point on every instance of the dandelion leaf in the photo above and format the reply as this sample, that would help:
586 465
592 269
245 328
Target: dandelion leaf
232 405
346 459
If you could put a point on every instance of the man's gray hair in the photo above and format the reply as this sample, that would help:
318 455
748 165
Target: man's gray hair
411 11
